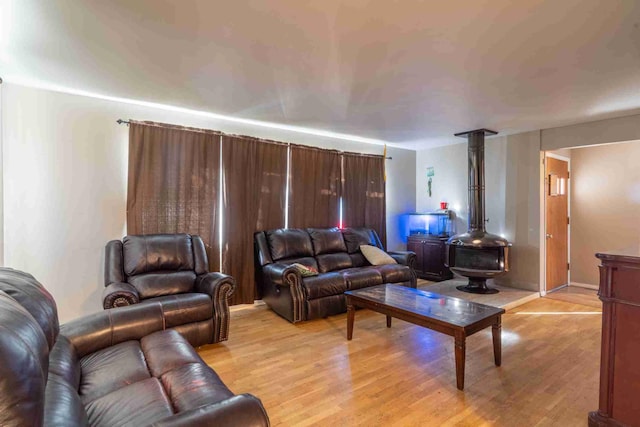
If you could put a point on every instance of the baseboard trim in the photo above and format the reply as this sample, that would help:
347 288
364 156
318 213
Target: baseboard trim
584 285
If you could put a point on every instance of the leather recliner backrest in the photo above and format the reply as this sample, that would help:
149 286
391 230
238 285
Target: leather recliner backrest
24 347
31 295
162 264
157 252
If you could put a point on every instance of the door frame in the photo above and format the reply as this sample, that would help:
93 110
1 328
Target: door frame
543 220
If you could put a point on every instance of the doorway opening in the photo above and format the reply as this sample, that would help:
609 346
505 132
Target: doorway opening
557 220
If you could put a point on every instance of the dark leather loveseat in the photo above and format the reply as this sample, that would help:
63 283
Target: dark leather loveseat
336 255
172 270
118 367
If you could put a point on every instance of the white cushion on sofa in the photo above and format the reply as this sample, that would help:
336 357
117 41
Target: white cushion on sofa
376 256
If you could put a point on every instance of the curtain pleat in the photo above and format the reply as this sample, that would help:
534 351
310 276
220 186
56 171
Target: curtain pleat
314 188
173 183
255 175
363 196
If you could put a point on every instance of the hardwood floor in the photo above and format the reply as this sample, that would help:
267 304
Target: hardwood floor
574 294
309 374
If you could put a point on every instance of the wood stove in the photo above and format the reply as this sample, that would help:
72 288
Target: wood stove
477 254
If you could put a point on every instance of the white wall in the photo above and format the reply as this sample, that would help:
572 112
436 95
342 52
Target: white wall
605 205
64 166
451 181
619 129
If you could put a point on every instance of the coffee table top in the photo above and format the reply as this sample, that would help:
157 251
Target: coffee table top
447 309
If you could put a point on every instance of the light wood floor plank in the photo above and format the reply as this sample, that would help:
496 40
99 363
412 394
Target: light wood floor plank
309 374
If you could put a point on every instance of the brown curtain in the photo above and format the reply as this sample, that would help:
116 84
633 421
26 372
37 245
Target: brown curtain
173 183
363 197
314 187
255 179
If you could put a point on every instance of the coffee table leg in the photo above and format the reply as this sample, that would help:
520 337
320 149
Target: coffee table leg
350 318
496 331
388 321
460 349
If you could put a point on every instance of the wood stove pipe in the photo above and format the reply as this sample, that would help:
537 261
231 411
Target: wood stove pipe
476 177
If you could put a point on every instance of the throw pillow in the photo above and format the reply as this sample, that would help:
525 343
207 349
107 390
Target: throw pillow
304 270
376 256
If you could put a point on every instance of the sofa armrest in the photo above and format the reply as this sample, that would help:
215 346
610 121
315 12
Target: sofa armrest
94 332
219 287
119 294
216 285
242 410
286 276
404 257
281 274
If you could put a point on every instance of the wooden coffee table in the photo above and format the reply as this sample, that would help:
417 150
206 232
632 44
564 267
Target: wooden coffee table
452 316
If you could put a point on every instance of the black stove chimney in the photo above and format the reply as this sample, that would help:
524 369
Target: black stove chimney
477 254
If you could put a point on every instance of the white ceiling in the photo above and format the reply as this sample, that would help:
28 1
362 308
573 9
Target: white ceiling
405 71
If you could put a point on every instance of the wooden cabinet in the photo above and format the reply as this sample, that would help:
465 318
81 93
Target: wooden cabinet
430 256
619 365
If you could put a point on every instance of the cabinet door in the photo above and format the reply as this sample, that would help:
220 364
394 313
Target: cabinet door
433 257
416 246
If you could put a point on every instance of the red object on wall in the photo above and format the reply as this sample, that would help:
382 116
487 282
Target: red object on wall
443 205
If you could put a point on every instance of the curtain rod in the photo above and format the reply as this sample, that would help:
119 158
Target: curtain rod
127 122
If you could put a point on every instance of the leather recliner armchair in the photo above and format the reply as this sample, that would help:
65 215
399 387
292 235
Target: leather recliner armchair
172 270
116 367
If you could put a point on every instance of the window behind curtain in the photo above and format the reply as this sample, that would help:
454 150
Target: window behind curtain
363 194
255 177
173 183
314 188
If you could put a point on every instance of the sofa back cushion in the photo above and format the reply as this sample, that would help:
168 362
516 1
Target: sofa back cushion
354 237
24 352
163 283
157 252
289 243
326 240
31 295
358 260
333 262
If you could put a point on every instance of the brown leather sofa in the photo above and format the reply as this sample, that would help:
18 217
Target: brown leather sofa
336 255
172 270
119 367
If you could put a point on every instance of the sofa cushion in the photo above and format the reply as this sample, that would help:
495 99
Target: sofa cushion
111 369
333 262
181 309
167 350
158 252
327 240
194 385
139 404
306 261
289 243
163 283
357 278
376 256
354 237
324 285
394 273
